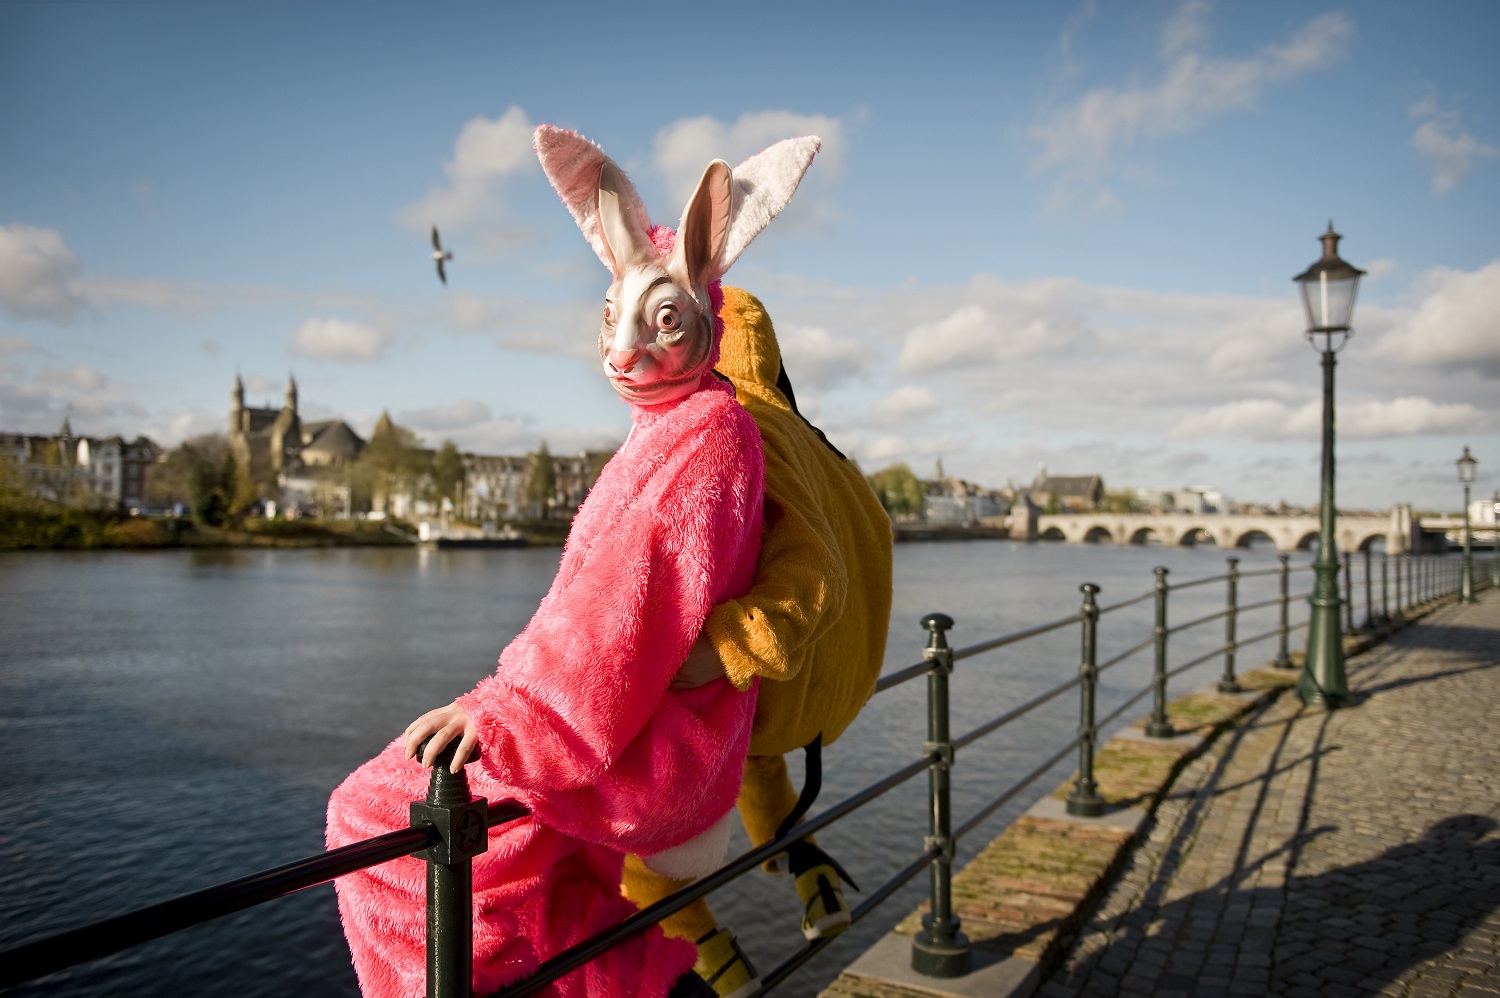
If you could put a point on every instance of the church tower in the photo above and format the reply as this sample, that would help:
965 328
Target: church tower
237 408
286 433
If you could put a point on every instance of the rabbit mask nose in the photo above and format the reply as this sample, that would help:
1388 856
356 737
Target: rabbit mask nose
623 360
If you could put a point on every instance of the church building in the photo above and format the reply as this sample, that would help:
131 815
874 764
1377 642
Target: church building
297 464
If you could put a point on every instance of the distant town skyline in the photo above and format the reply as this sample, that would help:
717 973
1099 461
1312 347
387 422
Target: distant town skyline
1034 234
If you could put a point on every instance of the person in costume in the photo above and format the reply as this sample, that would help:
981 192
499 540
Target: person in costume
812 631
579 722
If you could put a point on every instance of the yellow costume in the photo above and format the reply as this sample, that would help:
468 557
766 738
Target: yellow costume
813 626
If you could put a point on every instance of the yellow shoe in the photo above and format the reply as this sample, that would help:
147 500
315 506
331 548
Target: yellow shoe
825 913
725 966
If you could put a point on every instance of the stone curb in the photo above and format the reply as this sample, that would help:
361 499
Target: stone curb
1021 926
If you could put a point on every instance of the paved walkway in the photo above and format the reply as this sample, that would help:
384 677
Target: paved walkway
1325 854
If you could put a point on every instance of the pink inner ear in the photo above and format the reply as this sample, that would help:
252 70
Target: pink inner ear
705 226
720 193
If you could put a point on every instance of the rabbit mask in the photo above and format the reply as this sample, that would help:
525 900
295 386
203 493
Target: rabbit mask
659 333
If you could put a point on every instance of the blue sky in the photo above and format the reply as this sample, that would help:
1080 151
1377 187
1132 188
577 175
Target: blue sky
1058 234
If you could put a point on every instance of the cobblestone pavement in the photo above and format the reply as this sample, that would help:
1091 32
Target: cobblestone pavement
1324 854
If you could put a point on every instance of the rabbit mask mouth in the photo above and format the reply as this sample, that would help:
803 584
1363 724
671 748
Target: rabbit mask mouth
655 340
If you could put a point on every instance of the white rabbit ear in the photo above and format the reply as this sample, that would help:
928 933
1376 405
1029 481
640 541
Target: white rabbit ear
763 184
696 259
624 229
576 168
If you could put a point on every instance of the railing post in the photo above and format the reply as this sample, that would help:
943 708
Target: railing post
1228 683
1400 610
463 823
1159 726
1348 593
1085 801
1385 593
1283 657
1369 591
939 949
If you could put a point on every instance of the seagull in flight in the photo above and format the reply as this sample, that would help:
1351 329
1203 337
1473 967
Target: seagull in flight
439 255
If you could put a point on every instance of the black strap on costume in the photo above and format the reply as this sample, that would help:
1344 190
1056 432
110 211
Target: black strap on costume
784 386
812 785
803 855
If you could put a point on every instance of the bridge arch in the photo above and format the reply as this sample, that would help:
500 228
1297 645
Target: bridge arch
1098 535
1307 540
1052 534
1145 535
1193 536
1253 536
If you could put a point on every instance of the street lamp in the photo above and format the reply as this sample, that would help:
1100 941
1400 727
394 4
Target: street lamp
1328 288
1466 475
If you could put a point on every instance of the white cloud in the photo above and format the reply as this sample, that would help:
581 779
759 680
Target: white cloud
1449 151
876 451
1006 323
1408 416
1454 326
338 339
1365 419
1184 30
815 358
905 404
446 418
179 297
38 274
38 401
486 154
79 378
1080 139
686 146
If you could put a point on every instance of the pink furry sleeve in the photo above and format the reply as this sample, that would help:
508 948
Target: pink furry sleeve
578 718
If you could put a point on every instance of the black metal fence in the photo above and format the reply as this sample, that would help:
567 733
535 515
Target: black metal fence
449 827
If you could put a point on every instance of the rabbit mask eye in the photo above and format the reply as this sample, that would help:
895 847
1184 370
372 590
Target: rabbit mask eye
609 313
669 322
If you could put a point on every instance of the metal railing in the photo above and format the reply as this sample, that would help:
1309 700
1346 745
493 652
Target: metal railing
450 827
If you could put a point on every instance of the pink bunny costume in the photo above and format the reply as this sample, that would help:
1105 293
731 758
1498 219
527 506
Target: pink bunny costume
578 721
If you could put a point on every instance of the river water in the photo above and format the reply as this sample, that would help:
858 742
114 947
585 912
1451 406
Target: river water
174 719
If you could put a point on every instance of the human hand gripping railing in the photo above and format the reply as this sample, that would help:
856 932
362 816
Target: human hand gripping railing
447 829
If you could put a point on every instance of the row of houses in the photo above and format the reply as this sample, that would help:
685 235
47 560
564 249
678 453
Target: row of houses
954 502
295 467
310 466
99 472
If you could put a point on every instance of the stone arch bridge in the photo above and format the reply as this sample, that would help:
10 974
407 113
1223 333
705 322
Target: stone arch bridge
1288 533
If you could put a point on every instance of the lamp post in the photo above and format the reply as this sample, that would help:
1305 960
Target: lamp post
1466 581
1328 288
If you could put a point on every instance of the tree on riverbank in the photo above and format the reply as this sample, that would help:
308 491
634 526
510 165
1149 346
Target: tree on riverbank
392 463
448 473
898 490
202 474
541 481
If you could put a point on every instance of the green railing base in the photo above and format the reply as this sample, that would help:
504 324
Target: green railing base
1086 806
941 958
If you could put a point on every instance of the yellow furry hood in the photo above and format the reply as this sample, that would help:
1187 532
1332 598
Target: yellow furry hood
751 355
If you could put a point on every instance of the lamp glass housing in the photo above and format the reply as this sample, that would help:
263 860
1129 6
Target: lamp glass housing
1328 288
1466 465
